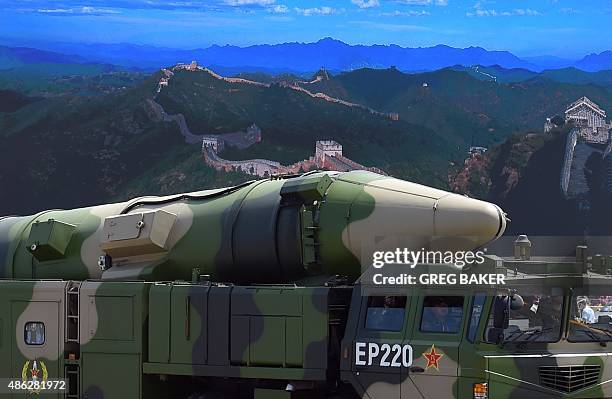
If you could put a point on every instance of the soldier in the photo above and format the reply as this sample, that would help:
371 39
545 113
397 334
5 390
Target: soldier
436 317
388 315
550 311
587 314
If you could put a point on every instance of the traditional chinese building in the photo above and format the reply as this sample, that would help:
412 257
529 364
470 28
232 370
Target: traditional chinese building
253 133
193 66
327 148
590 120
214 142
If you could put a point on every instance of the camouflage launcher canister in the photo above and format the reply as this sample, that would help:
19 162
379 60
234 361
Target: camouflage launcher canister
275 230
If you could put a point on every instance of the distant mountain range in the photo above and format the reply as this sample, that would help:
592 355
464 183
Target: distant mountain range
571 75
11 57
332 54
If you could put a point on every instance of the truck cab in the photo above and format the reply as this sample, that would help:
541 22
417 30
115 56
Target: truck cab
543 334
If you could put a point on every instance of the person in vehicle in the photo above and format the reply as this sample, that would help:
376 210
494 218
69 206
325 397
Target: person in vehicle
437 317
386 313
587 314
550 311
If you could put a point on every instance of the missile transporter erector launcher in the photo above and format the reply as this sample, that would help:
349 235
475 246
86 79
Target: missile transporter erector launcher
253 291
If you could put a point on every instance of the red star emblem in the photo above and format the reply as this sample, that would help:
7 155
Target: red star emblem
433 358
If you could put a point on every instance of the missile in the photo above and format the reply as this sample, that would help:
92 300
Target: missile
266 231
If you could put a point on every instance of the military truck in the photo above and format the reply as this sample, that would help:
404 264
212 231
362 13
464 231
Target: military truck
257 291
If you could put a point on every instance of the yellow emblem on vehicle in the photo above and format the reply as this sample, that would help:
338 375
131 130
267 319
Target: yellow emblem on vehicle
35 377
433 358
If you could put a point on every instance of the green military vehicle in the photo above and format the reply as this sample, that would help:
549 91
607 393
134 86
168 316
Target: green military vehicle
254 291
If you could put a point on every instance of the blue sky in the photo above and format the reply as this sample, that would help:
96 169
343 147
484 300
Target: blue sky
526 27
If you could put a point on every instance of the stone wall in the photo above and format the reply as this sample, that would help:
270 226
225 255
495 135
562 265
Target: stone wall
265 167
572 139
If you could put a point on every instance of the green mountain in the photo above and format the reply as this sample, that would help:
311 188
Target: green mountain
292 121
522 176
84 146
456 105
11 101
495 73
577 76
71 151
11 57
77 150
52 79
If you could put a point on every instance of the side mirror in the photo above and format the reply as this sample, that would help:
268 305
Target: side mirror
495 335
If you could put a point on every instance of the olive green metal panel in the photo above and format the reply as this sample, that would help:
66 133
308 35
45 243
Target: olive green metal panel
118 318
188 326
270 301
240 335
279 327
294 356
137 233
308 189
22 303
113 316
113 344
48 240
159 323
267 337
261 393
111 376
5 350
316 327
219 326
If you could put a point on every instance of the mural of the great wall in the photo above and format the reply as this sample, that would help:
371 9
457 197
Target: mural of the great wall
327 155
470 124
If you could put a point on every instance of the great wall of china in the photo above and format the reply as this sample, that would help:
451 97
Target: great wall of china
328 154
590 135
168 73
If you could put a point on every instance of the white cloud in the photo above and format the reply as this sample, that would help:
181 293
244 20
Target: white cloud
278 9
569 10
249 2
416 2
478 11
411 13
525 11
85 10
442 3
316 11
366 3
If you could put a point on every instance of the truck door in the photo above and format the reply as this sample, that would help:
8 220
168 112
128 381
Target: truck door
436 335
377 350
37 310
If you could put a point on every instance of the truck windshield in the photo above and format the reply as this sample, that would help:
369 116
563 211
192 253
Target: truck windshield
591 318
539 320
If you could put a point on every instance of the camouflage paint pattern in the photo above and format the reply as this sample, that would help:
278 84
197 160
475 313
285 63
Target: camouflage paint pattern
252 233
147 338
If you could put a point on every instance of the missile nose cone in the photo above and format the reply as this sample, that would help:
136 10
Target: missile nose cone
475 220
